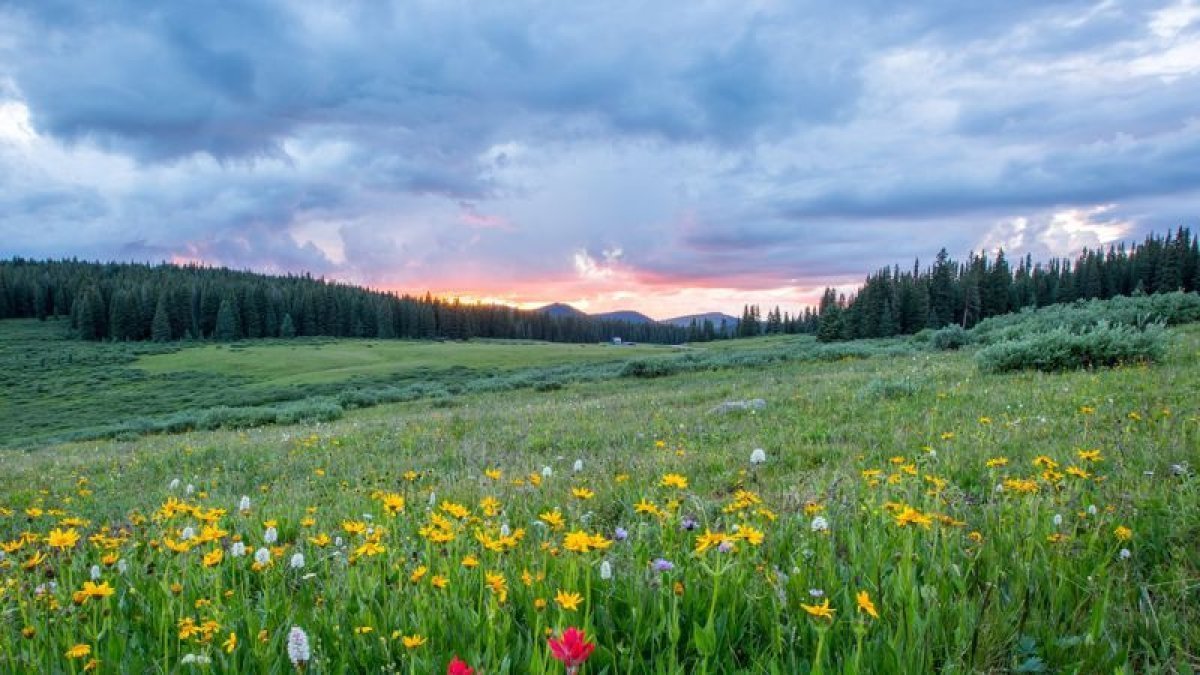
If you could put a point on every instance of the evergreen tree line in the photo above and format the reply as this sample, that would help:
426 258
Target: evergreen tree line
895 302
129 301
776 323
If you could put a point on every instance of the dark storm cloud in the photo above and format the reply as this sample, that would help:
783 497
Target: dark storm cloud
737 143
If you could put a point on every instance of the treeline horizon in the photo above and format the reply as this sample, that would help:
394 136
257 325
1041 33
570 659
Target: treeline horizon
166 302
894 302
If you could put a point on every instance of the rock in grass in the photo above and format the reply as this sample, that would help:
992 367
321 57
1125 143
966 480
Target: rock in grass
731 406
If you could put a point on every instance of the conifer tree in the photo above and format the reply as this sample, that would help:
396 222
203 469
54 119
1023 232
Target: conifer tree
160 329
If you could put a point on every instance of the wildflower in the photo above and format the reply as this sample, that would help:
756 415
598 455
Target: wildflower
568 601
1125 554
62 539
497 584
865 605
620 534
237 550
369 549
297 561
554 519
578 465
1123 533
710 539
230 643
297 647
213 557
94 573
92 590
572 648
413 641
195 659
816 593
79 651
605 570
674 480
271 536
459 667
750 535
439 581
582 493
726 546
909 515
819 524
997 462
758 456
262 557
1092 510
821 611
688 523
470 561
1058 520
1089 455
662 565
646 506
174 484
1077 472
418 574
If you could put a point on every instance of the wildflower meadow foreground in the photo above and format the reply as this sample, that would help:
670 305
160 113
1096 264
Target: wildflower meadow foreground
1032 523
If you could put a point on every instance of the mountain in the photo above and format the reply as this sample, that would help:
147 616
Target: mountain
715 317
626 315
559 309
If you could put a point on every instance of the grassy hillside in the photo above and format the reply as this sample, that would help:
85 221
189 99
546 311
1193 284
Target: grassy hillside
900 455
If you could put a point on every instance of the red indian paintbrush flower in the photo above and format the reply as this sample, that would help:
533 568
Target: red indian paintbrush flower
459 667
572 648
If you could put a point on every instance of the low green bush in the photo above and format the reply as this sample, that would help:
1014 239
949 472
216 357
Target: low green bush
953 336
1063 349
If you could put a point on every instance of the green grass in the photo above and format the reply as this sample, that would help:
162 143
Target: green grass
59 388
280 363
1023 595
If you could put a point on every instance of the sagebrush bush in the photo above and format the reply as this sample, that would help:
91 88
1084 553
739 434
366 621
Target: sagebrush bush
1060 348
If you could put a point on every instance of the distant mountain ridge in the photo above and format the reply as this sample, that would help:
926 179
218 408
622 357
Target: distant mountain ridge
631 316
627 315
715 317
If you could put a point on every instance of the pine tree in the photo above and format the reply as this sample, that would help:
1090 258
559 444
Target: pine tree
227 326
287 328
160 327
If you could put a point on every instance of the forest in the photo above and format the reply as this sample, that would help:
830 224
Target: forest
165 302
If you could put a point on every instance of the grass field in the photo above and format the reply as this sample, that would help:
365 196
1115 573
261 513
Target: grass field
287 363
55 387
912 515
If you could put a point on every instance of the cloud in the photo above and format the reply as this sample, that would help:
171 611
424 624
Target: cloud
728 151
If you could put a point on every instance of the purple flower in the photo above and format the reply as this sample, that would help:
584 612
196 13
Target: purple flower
662 565
725 546
620 534
689 523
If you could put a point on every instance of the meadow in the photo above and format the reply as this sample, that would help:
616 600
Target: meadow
58 388
911 512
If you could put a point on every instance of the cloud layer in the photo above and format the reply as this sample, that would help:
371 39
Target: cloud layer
667 158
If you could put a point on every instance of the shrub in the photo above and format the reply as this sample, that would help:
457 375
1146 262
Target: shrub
1137 311
953 336
1061 349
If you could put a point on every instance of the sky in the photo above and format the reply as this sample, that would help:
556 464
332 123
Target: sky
665 157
